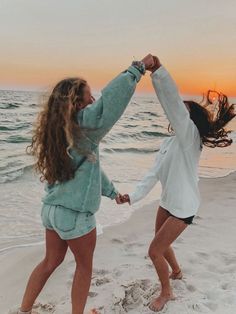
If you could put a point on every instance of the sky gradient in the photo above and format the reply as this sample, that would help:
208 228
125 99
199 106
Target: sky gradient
44 41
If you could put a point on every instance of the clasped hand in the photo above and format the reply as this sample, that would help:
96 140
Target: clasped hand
121 199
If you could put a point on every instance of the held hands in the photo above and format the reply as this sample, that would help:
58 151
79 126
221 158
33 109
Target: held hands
156 65
152 63
148 61
121 199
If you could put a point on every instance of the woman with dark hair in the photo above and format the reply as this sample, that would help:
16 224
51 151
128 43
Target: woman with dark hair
66 145
176 167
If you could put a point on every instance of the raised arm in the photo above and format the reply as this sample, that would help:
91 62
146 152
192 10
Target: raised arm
108 188
99 117
145 186
174 107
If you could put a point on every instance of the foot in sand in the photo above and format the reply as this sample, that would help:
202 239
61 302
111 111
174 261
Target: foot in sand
158 303
16 310
176 275
94 311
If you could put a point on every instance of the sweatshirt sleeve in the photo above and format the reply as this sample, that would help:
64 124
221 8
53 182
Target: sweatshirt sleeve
174 107
108 188
144 187
99 117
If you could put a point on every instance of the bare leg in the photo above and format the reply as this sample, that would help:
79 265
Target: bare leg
169 254
166 235
171 259
82 249
55 252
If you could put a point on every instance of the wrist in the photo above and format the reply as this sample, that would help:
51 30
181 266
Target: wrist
140 65
157 64
114 194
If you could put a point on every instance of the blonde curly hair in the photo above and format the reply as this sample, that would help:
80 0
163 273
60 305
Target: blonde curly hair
56 131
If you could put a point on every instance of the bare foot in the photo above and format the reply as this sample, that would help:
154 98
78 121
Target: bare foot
158 304
19 312
32 312
94 311
176 275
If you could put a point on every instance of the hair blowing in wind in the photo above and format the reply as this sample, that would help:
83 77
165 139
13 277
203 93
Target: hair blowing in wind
211 117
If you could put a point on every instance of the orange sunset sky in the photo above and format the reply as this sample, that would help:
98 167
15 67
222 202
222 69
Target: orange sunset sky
44 41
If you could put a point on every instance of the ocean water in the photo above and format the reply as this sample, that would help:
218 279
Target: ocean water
127 152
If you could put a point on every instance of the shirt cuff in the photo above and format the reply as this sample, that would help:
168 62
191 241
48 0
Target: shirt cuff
159 73
132 198
135 72
113 194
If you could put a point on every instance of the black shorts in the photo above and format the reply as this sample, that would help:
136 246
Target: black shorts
187 220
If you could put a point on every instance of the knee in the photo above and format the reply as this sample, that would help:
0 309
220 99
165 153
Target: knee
84 264
154 251
50 264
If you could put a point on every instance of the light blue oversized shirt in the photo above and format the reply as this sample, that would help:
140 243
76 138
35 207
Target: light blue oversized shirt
83 192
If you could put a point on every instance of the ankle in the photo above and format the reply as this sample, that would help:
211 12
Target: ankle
166 292
176 271
24 312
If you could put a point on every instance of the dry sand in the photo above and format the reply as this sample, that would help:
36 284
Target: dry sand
124 280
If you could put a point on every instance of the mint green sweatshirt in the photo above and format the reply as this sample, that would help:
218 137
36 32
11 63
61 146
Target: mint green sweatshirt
83 192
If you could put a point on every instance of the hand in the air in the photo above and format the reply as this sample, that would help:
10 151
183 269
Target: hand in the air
156 65
148 61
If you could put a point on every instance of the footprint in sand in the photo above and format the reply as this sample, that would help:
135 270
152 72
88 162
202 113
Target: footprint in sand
192 261
100 272
101 309
225 286
211 306
229 260
191 288
229 285
92 294
44 308
99 277
100 281
131 255
117 272
199 308
132 295
203 255
117 241
211 267
133 245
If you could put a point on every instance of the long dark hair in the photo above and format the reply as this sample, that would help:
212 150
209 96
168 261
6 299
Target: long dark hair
211 116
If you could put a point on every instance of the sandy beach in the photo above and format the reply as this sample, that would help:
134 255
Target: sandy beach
80 78
124 280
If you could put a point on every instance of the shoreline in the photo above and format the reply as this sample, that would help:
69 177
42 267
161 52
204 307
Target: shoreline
100 227
124 278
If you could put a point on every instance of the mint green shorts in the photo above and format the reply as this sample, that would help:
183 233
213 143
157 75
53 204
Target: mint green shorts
68 223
